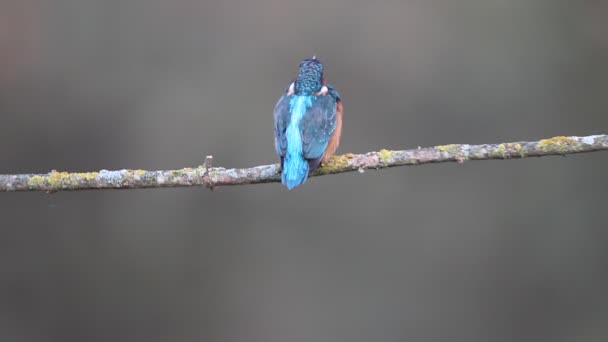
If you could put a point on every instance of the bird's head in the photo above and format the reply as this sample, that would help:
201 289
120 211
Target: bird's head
310 77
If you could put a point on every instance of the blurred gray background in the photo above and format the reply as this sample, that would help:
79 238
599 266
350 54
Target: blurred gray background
485 251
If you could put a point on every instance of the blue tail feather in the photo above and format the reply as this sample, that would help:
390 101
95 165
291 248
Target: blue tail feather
295 167
295 171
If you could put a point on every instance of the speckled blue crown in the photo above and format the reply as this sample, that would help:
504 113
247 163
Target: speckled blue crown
310 77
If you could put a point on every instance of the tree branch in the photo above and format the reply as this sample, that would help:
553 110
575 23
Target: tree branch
215 176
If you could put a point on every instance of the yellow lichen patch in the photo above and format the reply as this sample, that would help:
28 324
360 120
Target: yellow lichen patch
334 163
55 178
443 148
517 147
88 176
460 152
212 173
559 144
451 148
499 151
185 171
135 174
519 150
386 155
35 181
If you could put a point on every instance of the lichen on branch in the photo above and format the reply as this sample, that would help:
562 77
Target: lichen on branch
211 177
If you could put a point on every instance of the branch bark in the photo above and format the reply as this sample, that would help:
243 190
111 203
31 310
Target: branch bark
207 175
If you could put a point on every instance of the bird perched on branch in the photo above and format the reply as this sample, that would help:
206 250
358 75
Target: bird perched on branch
307 123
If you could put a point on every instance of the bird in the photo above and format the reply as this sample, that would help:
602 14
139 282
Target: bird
307 123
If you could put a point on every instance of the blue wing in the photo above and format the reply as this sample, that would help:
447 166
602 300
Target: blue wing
317 126
281 120
333 92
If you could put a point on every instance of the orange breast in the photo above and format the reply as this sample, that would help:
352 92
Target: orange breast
334 141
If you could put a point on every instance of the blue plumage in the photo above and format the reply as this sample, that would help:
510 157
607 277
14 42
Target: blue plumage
295 168
305 118
310 77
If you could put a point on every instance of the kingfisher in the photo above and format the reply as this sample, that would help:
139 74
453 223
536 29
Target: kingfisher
307 123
